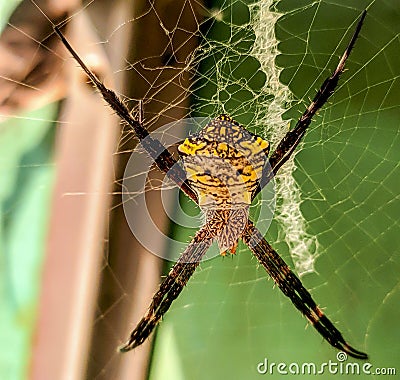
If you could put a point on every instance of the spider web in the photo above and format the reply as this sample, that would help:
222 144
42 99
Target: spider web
336 219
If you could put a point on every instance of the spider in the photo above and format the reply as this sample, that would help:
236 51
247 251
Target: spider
224 168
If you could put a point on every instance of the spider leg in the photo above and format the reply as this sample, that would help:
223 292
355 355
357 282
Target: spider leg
171 287
292 287
162 157
290 141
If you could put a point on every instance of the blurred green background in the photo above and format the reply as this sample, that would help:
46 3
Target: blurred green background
230 318
26 179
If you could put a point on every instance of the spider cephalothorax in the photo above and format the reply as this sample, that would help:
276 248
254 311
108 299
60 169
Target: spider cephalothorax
225 167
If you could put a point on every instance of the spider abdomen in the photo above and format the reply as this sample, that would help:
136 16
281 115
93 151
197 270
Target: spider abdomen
223 163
